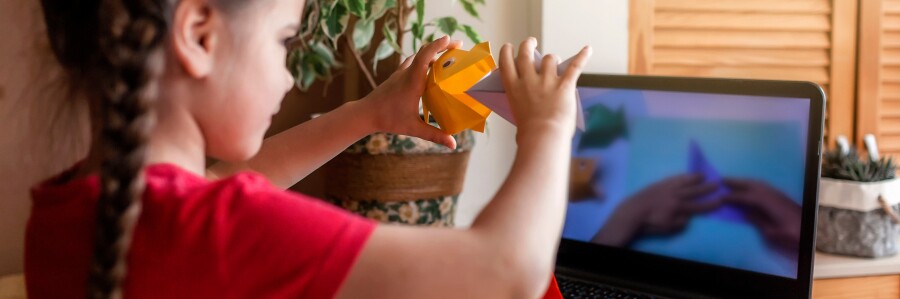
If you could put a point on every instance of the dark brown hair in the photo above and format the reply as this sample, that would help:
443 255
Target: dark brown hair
110 51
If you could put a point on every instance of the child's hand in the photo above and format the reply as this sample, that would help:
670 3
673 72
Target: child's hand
544 99
395 102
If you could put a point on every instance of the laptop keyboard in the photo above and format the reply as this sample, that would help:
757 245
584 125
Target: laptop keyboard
577 289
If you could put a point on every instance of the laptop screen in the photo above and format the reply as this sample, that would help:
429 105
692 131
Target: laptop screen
709 178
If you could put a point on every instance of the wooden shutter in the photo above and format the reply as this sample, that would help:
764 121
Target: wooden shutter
811 40
879 73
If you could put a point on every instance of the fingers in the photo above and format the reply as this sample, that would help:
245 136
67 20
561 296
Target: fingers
549 66
687 179
425 56
680 223
407 62
737 184
694 207
525 60
455 44
435 135
696 191
576 66
508 70
739 199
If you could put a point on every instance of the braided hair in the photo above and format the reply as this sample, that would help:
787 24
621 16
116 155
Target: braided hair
111 50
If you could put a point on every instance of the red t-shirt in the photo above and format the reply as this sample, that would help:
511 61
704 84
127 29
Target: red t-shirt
237 237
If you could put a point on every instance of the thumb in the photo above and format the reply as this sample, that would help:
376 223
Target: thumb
430 133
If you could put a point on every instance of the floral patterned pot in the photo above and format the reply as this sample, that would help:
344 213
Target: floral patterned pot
400 179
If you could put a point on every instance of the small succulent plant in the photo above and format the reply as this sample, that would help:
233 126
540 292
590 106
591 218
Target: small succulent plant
849 166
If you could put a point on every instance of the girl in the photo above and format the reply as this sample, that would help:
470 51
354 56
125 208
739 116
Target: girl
169 82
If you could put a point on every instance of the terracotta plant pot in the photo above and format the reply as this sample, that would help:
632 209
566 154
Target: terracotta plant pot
400 179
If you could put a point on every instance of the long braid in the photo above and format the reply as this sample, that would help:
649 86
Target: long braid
129 41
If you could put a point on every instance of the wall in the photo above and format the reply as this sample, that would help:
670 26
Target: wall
31 119
569 25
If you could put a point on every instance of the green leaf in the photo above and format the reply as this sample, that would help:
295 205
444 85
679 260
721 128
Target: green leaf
417 30
391 36
479 2
420 11
330 3
324 53
447 25
384 51
362 33
293 62
471 33
470 8
430 37
307 79
357 7
304 76
335 22
377 8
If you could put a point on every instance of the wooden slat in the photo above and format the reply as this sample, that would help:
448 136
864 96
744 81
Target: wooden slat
891 22
890 92
892 7
890 57
890 74
741 57
869 67
839 110
815 74
889 143
640 37
797 6
741 21
889 126
740 39
871 287
890 109
891 40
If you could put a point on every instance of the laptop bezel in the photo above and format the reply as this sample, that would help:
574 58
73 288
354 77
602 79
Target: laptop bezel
698 278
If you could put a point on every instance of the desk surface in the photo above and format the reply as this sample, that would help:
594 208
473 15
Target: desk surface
835 266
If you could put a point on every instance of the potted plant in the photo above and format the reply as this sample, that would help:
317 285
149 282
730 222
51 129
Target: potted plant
859 205
357 43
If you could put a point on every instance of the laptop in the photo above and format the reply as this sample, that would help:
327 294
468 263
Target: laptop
692 188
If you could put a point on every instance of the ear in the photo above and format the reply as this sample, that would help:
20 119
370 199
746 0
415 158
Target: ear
195 36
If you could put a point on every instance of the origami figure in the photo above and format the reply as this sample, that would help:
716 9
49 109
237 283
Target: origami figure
697 163
603 127
445 95
464 87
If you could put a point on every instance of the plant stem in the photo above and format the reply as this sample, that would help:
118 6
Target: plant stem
401 24
359 62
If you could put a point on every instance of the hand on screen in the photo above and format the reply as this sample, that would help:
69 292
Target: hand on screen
670 203
664 207
775 215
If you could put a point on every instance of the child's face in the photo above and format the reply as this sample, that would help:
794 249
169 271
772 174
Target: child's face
249 79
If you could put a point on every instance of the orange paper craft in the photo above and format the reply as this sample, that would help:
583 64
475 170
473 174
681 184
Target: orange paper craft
445 95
